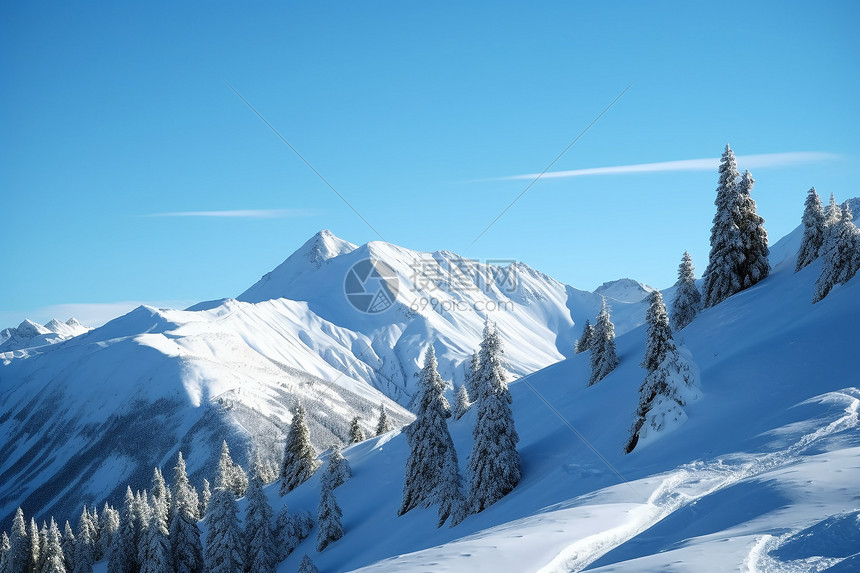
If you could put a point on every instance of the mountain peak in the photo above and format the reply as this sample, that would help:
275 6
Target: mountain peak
624 290
323 246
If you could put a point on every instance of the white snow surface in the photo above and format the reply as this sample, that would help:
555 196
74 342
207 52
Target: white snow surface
625 290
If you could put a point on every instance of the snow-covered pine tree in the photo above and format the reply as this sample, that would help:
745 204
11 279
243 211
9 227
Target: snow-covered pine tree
584 342
337 470
356 434
224 540
722 276
307 566
205 496
299 457
755 266
328 516
52 554
182 487
230 474
68 546
661 394
428 438
95 525
687 299
156 557
832 213
290 530
159 496
108 525
461 406
603 356
813 230
143 517
34 546
383 425
4 550
84 544
122 556
449 493
259 520
471 378
18 556
840 260
43 544
186 550
494 465
658 337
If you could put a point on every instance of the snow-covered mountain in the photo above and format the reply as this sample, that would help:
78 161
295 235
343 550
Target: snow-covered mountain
761 477
624 290
31 334
79 411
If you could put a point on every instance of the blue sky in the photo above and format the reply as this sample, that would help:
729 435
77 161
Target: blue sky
419 115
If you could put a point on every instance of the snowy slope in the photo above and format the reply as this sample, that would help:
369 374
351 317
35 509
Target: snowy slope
767 463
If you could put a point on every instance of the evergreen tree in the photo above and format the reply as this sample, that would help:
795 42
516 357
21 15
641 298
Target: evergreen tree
494 465
428 438
68 546
832 213
299 457
5 544
84 544
472 374
449 493
259 519
660 393
290 530
659 334
52 554
43 545
584 342
224 551
722 277
122 556
186 550
356 434
19 554
461 406
205 496
307 566
230 474
156 557
383 426
95 526
108 526
603 356
838 253
34 546
143 518
687 299
814 224
337 470
755 266
328 517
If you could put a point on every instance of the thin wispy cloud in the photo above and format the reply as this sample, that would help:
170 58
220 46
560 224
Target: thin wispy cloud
762 160
241 213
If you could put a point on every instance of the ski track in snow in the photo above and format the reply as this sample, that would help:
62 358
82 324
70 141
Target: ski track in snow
699 479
